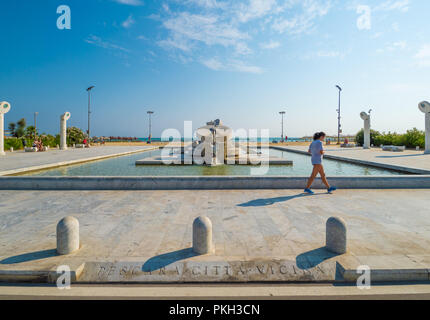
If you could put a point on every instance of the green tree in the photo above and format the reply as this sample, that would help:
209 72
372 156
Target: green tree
29 133
17 130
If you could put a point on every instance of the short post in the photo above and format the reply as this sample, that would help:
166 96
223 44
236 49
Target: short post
68 236
336 235
425 108
63 130
4 108
11 149
202 236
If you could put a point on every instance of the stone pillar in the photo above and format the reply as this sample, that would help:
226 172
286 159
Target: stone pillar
366 118
63 130
202 236
4 108
425 108
68 236
336 235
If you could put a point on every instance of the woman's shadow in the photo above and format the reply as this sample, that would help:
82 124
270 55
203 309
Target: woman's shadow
271 201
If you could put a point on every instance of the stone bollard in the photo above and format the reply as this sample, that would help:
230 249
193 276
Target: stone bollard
11 149
67 236
202 236
336 235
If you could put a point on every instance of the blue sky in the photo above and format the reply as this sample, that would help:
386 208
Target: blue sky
241 61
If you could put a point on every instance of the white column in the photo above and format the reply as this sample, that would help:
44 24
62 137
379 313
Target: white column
425 108
366 118
4 108
63 130
427 133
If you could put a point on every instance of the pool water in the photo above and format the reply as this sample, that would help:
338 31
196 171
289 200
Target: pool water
125 166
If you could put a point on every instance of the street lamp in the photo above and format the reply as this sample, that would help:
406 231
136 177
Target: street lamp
89 110
339 127
282 113
150 113
35 126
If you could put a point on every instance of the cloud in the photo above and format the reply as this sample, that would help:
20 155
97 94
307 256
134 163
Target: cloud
303 17
213 64
390 5
193 27
232 66
330 54
130 2
270 45
186 28
97 41
394 46
423 56
128 22
255 9
205 3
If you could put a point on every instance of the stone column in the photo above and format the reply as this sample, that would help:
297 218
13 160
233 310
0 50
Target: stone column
336 235
4 108
68 236
366 118
425 108
202 236
63 130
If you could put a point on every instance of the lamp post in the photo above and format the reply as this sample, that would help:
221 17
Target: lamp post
89 111
35 124
150 113
282 113
339 127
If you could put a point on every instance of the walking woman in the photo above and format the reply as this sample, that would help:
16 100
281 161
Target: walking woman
317 151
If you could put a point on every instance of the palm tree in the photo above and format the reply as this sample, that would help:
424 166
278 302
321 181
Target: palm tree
12 128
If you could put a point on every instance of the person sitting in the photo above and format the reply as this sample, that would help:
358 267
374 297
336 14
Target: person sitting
40 146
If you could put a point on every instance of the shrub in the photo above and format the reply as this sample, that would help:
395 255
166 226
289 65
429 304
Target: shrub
14 143
50 141
74 136
410 139
414 138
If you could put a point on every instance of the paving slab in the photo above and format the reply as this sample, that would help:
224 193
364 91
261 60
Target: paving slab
20 161
259 235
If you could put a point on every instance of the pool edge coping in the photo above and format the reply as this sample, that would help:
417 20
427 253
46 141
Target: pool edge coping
71 162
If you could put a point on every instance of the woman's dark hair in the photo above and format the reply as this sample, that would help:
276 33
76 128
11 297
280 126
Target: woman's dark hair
318 135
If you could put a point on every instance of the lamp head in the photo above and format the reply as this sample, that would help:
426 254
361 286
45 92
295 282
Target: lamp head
4 107
364 116
66 116
340 89
90 88
424 107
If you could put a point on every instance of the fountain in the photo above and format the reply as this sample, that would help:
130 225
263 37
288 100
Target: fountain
215 146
